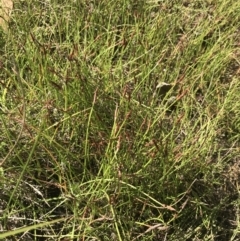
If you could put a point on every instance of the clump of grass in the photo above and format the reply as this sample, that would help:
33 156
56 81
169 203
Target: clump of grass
120 121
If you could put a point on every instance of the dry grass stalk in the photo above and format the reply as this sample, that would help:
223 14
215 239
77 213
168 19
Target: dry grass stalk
5 12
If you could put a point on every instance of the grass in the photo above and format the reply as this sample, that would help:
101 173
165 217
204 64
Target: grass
120 121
